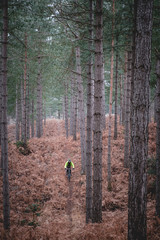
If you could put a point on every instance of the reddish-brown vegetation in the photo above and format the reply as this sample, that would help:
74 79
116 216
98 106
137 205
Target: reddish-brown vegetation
45 206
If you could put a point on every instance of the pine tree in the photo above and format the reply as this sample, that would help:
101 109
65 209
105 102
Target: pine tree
116 93
127 109
97 127
137 227
66 108
90 92
4 131
81 110
158 139
110 104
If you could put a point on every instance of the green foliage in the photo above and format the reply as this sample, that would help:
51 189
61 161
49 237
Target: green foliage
53 30
33 209
33 224
23 147
23 222
20 144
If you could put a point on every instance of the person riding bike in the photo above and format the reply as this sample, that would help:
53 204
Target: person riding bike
68 165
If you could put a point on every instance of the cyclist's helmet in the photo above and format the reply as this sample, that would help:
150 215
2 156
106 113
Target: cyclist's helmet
69 160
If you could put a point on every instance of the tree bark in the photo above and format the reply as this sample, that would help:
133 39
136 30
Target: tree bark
121 100
97 128
124 91
127 109
158 139
75 99
1 77
137 200
110 105
32 114
4 131
18 112
24 127
39 127
81 111
90 103
66 108
27 110
103 100
22 109
116 93
71 105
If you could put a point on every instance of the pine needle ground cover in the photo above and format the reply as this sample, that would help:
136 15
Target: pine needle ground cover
45 206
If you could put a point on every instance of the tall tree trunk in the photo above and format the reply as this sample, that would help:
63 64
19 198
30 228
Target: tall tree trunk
81 110
41 108
66 108
124 91
116 93
22 109
39 103
24 128
27 110
4 132
97 127
44 112
121 100
155 102
158 140
32 114
18 112
1 79
110 104
103 100
127 115
75 99
139 122
71 105
89 122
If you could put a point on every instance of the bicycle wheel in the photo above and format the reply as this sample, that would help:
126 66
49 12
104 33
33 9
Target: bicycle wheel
69 174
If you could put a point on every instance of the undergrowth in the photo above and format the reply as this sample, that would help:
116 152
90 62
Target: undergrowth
23 147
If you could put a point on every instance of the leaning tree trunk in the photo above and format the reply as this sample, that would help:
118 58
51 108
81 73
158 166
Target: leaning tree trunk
137 198
90 103
110 105
97 127
127 114
4 132
81 111
158 140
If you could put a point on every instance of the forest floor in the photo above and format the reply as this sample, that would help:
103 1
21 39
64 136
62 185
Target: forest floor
44 205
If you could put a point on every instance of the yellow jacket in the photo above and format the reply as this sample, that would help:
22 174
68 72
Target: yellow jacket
66 164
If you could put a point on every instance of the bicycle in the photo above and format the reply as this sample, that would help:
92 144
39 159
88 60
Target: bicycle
69 174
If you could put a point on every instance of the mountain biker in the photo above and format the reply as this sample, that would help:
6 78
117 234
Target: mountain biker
68 165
